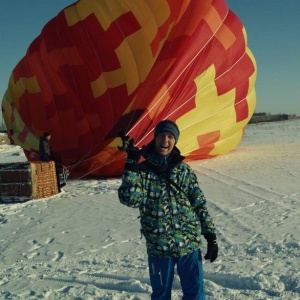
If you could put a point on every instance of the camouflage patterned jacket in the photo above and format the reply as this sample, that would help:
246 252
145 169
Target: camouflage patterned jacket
172 207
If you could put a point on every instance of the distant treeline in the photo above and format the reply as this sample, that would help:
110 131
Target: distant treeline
264 117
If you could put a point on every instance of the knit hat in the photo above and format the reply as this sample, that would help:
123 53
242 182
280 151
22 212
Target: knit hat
167 126
46 134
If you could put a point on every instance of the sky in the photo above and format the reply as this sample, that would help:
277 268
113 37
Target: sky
273 36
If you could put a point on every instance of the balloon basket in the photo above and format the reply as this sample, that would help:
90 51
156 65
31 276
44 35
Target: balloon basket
20 182
44 179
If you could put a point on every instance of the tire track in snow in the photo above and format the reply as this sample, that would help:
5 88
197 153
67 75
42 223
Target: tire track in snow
58 275
248 215
251 189
220 210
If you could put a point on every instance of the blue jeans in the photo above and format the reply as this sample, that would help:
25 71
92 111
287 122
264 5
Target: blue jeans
189 269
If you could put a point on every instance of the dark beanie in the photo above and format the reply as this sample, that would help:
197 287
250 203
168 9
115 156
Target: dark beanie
167 126
46 134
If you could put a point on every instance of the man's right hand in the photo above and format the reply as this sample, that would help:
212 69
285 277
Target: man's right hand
133 156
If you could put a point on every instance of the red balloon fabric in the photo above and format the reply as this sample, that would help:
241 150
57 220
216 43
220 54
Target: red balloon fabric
101 68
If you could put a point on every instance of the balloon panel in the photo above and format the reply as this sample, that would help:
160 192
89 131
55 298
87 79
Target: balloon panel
101 68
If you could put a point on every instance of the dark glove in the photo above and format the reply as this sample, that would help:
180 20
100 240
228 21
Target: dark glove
133 156
212 247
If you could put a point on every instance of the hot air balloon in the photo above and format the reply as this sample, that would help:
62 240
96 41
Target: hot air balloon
101 68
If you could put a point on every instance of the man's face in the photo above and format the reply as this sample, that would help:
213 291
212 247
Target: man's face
48 137
164 143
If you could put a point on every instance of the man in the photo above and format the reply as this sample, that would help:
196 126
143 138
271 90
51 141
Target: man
44 147
45 155
173 213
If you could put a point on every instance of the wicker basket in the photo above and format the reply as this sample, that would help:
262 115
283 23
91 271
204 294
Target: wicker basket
32 180
44 179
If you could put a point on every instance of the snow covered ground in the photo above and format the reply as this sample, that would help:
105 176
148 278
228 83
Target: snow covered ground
83 244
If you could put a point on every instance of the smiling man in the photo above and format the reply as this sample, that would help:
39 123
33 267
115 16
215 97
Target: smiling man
166 135
173 213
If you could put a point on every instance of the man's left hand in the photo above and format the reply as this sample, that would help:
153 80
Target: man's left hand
212 247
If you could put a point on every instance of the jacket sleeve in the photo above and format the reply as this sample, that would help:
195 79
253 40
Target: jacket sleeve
131 192
198 201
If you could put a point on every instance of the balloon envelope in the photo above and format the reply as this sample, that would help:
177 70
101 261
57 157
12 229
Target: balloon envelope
101 68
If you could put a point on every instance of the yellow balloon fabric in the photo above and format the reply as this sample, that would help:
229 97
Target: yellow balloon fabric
101 68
